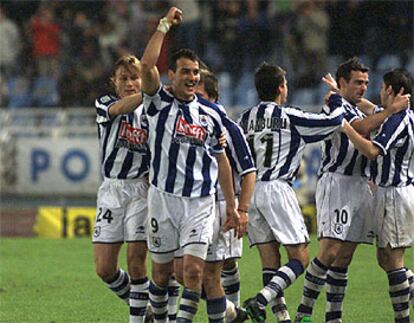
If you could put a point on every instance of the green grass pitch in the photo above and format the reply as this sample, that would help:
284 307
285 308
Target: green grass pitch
54 281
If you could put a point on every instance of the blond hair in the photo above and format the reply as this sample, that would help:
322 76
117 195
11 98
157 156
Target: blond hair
130 62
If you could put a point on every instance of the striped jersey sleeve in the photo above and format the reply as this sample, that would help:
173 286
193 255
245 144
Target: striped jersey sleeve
102 105
339 154
277 136
395 139
238 153
183 140
123 146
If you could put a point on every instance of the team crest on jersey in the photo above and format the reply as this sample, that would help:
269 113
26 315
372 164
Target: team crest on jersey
156 241
97 232
134 139
186 132
204 120
339 229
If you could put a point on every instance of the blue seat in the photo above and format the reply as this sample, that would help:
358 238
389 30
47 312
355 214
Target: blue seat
18 92
45 92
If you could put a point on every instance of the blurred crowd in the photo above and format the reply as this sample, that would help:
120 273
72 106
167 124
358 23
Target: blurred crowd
61 53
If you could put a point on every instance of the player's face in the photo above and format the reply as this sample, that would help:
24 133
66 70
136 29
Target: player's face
384 94
283 91
355 89
201 90
127 82
185 78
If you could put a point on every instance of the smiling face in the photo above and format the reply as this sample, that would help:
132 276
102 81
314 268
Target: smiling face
355 88
127 81
185 78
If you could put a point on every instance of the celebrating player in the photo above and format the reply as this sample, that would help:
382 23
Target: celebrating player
226 248
277 135
122 197
186 161
343 197
392 169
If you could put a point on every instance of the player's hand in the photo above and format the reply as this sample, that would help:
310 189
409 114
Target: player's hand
232 221
330 82
174 16
327 96
399 102
222 139
244 220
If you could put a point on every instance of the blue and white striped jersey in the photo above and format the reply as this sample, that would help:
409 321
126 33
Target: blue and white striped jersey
395 139
183 139
277 135
339 154
122 141
238 153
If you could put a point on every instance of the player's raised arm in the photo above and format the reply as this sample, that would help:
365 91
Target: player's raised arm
374 121
125 105
150 74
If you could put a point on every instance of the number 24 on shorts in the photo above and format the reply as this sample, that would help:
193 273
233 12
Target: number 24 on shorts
104 216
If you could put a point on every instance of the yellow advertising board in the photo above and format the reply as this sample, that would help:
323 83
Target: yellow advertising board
64 222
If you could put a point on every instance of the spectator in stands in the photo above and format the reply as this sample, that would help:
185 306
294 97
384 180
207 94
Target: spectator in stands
10 45
45 36
312 25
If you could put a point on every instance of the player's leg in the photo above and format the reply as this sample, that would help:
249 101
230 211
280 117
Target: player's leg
162 243
283 278
106 266
108 237
135 232
315 276
392 262
277 220
216 299
270 265
137 269
173 293
196 233
230 278
395 228
410 277
162 270
336 282
193 266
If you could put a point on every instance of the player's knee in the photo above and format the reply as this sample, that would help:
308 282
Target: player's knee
383 260
193 273
229 264
211 277
161 278
304 259
179 277
106 272
137 270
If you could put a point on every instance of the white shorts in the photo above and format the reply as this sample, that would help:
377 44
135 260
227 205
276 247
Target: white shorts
275 215
177 222
394 212
121 211
344 208
225 245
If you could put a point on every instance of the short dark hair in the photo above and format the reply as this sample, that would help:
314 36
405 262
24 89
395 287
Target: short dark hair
186 53
399 78
344 70
210 83
267 80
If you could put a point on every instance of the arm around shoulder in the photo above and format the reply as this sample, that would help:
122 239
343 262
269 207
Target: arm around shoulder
364 146
125 105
